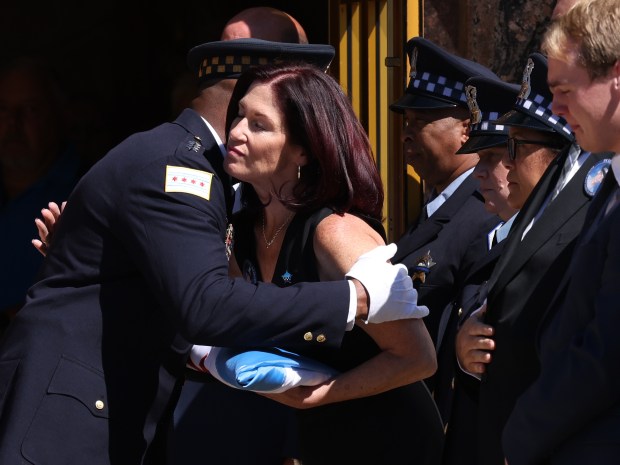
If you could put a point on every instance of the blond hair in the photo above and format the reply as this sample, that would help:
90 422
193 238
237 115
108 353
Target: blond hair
591 25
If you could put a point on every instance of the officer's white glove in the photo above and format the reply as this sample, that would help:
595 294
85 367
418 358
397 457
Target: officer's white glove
390 289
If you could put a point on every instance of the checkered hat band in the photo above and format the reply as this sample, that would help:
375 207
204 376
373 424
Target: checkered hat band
487 126
440 86
540 108
229 64
488 116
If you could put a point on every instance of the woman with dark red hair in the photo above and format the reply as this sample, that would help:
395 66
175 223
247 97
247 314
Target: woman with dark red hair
312 201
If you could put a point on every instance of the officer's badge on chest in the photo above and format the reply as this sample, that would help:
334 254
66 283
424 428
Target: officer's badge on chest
422 268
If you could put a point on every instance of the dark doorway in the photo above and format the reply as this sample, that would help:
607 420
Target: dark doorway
120 61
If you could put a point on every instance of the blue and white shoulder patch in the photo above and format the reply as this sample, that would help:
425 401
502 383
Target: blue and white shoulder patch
189 181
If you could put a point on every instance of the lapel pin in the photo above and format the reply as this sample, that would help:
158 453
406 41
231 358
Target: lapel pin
595 177
423 267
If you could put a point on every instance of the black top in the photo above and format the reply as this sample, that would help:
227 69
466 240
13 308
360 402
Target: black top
402 425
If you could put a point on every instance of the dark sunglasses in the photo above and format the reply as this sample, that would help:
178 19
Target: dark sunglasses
513 143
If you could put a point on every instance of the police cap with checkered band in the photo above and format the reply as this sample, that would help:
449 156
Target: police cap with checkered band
532 108
227 59
487 99
437 77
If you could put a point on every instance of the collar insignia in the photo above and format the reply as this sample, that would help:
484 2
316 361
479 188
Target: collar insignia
194 144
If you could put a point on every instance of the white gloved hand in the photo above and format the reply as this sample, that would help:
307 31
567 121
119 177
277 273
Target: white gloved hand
390 289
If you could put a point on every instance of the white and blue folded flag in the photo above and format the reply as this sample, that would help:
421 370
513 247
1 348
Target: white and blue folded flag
270 370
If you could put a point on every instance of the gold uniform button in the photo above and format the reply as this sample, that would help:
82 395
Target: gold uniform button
460 312
308 336
99 405
321 338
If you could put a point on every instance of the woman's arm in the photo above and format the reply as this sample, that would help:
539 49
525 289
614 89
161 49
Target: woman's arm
407 353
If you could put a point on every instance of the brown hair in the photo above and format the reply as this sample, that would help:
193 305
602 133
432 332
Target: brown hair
341 172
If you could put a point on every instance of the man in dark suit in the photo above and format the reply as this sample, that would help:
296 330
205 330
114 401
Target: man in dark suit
443 243
487 100
91 367
499 344
571 413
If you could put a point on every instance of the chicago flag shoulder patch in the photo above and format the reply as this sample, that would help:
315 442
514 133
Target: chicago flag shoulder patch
189 181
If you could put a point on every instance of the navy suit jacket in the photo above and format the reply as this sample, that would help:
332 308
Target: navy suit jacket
452 236
520 289
571 414
461 432
90 368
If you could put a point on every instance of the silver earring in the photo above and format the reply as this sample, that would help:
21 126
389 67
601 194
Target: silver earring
298 172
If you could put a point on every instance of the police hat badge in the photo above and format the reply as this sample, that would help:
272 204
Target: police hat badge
526 80
423 267
595 176
487 99
412 63
474 109
533 108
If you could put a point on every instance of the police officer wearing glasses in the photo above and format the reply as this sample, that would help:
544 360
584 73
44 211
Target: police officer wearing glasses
513 143
497 343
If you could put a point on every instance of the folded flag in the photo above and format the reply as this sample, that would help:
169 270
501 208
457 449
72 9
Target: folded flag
270 370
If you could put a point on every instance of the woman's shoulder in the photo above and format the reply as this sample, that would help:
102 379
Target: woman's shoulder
350 225
341 230
339 240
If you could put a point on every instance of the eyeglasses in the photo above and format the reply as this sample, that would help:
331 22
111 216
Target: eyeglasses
513 143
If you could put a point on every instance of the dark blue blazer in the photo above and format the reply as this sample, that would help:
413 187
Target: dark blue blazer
90 368
451 235
571 414
520 289
461 393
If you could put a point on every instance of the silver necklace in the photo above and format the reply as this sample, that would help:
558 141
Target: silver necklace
273 238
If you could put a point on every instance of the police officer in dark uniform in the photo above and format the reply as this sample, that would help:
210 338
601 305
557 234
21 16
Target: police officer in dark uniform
91 367
532 264
487 100
442 244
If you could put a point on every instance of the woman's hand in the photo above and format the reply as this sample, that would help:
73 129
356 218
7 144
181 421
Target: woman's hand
302 397
47 226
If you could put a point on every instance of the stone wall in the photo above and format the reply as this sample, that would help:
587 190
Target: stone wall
499 34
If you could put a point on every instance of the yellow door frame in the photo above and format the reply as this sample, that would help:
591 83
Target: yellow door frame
371 66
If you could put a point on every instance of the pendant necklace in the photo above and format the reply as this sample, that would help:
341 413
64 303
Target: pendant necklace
273 238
